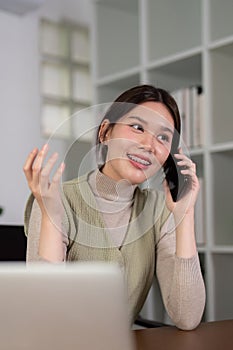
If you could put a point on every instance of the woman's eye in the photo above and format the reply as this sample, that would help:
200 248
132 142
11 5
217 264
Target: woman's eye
163 138
137 127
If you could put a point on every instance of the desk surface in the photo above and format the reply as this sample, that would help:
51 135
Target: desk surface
208 336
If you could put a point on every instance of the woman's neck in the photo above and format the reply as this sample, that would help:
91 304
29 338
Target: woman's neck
105 187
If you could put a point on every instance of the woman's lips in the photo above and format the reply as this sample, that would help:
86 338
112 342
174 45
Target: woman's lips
139 161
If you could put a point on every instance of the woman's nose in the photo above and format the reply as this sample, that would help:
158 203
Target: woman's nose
148 142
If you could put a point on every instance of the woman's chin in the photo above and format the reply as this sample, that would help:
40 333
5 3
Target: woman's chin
136 177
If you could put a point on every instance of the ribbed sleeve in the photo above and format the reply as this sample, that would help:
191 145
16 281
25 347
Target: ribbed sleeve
181 284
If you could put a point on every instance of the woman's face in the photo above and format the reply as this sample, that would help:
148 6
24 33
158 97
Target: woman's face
139 143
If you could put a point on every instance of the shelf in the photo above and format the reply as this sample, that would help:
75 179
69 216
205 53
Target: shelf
122 5
117 77
221 147
194 152
221 24
217 44
222 249
180 56
201 248
185 72
117 41
223 287
179 33
222 172
221 73
109 90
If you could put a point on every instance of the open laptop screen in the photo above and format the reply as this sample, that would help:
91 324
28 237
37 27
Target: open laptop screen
73 306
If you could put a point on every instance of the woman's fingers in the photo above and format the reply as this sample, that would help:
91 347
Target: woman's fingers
38 173
37 165
189 170
36 170
185 162
35 174
45 172
27 168
58 174
188 167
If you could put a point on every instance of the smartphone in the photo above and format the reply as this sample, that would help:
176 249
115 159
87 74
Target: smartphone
178 183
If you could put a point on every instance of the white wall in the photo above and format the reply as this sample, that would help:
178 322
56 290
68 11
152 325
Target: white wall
20 99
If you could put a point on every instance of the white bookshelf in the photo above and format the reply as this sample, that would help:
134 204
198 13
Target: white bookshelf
174 45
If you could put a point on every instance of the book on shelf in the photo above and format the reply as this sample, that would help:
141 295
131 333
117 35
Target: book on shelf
198 131
190 103
186 119
192 113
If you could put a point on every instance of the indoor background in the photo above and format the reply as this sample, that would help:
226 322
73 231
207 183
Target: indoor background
184 46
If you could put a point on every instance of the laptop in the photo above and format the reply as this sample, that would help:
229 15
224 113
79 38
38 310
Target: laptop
76 306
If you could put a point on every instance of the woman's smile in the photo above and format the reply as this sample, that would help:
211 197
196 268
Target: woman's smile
138 161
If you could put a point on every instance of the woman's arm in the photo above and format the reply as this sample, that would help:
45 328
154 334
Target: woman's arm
178 267
33 232
183 209
181 283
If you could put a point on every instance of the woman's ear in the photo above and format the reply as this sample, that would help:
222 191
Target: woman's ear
103 131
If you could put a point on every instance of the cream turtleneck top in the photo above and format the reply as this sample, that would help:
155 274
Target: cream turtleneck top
114 200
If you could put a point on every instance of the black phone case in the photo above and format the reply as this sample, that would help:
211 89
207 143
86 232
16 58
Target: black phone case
177 182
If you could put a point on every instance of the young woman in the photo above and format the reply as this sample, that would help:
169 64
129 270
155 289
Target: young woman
106 216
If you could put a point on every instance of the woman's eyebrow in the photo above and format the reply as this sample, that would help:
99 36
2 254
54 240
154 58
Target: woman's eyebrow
163 128
139 119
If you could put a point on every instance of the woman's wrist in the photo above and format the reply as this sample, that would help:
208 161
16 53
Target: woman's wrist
184 217
185 235
54 219
51 243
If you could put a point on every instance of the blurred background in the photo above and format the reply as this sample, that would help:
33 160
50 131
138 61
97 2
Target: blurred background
60 57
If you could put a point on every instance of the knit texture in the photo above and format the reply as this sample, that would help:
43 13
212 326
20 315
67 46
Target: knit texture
144 246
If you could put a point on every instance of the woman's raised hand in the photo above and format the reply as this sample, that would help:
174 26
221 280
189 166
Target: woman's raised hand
46 191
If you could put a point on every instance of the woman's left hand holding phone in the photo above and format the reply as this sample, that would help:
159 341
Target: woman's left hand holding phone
187 201
183 209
